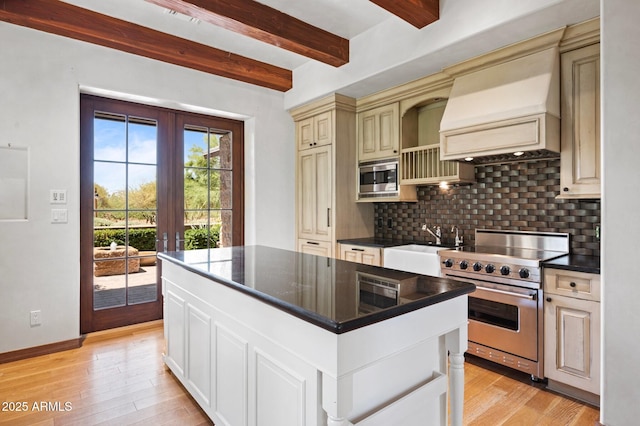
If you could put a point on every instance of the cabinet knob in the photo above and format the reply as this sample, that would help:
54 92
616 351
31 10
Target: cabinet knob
572 284
565 189
548 299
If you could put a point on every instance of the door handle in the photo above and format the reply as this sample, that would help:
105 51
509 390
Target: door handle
178 240
165 242
508 293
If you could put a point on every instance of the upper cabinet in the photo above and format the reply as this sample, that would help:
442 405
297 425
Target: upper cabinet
379 133
580 130
315 131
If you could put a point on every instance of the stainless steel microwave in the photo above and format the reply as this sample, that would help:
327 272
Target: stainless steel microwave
378 179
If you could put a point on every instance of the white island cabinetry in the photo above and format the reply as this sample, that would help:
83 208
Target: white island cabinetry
247 360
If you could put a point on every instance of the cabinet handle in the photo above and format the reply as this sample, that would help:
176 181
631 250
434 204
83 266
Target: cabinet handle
313 243
357 249
572 284
548 299
329 217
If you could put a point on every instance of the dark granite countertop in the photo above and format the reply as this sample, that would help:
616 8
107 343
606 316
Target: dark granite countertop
384 242
575 262
323 291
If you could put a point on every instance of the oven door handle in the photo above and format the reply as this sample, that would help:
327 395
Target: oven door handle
522 296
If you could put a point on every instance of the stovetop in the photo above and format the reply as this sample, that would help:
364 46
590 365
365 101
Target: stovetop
515 253
507 257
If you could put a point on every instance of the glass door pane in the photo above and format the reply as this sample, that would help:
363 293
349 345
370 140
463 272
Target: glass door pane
208 188
125 210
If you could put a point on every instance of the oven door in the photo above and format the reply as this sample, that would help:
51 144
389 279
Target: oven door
505 318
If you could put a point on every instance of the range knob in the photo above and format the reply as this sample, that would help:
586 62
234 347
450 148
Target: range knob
505 270
524 273
490 268
464 264
448 263
477 266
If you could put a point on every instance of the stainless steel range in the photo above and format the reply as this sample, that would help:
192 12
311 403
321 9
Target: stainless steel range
506 310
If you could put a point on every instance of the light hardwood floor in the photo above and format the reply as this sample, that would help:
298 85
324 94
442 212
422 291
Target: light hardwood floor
118 378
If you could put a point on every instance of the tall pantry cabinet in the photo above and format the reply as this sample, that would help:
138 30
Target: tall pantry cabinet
326 173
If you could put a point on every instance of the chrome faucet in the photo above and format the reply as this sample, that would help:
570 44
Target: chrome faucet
437 235
458 240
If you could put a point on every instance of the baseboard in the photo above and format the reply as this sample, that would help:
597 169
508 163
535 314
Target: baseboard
574 392
40 350
76 343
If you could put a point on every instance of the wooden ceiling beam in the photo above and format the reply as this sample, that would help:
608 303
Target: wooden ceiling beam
57 17
261 22
418 13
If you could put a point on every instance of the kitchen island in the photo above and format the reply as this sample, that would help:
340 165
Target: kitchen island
264 336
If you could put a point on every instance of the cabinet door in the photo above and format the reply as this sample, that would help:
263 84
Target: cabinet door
572 342
315 131
379 133
314 193
304 133
580 153
323 128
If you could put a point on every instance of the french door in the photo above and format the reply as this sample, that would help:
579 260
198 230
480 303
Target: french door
152 180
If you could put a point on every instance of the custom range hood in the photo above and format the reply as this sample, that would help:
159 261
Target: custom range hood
507 111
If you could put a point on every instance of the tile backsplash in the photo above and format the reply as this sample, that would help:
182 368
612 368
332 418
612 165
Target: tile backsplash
515 196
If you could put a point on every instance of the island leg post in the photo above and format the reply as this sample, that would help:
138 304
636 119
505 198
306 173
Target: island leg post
456 342
337 399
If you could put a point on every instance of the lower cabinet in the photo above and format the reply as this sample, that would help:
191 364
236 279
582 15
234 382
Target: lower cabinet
572 333
361 254
319 248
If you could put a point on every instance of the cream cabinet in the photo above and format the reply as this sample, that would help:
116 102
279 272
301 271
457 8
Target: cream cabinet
361 254
315 131
379 133
572 333
580 130
326 186
318 248
314 193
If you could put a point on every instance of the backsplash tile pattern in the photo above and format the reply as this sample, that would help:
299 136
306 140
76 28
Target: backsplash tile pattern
515 196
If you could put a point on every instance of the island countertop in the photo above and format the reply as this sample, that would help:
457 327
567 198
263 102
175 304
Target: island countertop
319 290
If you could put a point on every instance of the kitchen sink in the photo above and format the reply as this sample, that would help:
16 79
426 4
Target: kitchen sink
416 258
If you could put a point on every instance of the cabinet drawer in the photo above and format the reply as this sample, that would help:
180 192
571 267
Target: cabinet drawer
361 254
319 248
580 285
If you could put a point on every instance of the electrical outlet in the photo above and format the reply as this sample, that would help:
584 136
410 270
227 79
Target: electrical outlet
35 318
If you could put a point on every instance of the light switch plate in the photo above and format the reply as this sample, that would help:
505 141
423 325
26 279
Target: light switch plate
58 215
58 196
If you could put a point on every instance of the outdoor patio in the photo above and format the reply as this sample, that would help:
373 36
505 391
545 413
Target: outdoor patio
109 291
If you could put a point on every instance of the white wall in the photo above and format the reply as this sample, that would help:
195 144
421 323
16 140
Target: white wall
393 52
40 80
620 206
